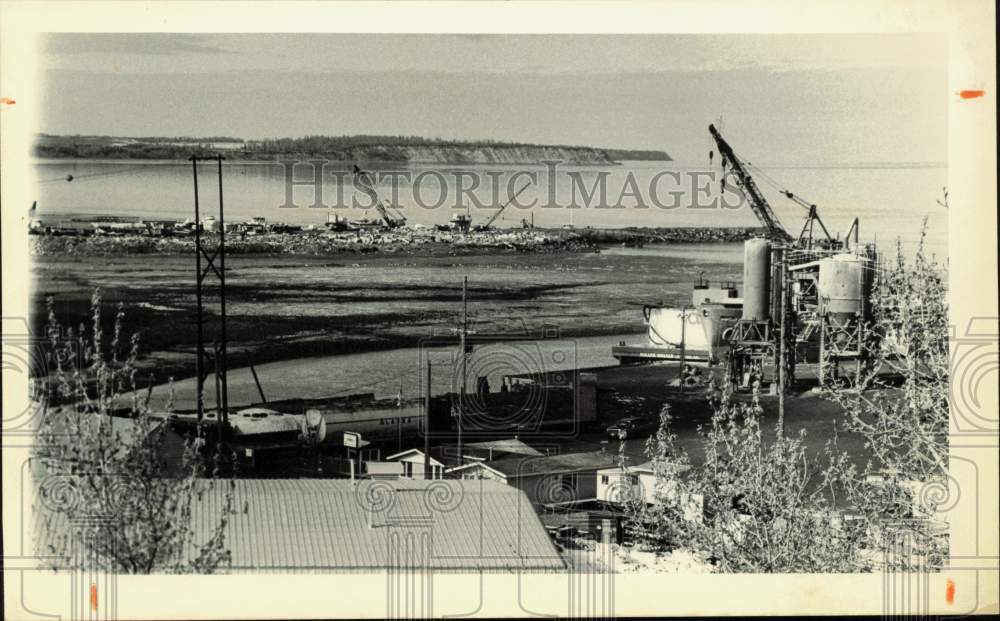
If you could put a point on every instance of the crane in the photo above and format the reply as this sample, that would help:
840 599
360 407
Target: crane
762 209
493 218
758 203
369 187
813 217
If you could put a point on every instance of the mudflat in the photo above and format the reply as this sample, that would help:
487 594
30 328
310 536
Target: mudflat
282 307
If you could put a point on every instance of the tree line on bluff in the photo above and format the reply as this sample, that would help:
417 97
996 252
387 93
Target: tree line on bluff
363 147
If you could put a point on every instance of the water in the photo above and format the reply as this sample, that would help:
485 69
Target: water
891 201
605 291
400 371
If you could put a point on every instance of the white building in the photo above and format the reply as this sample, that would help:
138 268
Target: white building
640 482
412 462
546 479
385 470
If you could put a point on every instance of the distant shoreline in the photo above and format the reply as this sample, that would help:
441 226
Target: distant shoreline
305 157
365 150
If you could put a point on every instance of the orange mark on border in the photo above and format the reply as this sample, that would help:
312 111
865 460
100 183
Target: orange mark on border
949 591
8 101
971 94
93 597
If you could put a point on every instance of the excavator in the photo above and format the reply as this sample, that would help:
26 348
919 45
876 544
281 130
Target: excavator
735 168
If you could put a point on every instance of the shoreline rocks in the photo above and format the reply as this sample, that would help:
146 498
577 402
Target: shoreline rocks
422 242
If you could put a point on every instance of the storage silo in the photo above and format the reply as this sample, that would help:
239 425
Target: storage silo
756 279
843 285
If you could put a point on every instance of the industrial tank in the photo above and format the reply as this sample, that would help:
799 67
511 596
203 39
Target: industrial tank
714 319
756 279
843 285
668 327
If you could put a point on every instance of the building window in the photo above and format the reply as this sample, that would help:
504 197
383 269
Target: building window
604 479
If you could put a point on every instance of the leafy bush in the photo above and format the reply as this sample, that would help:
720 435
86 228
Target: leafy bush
110 497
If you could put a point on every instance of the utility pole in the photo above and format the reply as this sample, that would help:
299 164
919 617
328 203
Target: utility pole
427 424
399 419
465 326
680 375
200 388
223 361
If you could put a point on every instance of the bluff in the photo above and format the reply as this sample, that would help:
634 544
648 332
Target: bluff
372 149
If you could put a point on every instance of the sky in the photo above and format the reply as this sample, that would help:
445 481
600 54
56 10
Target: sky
823 98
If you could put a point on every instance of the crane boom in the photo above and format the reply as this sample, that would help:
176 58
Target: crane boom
369 186
505 205
758 203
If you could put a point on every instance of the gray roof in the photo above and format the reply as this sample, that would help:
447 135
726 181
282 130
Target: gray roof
323 524
413 451
512 445
520 465
648 466
383 467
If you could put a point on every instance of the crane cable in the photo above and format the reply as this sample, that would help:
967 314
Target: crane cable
395 208
71 178
382 203
778 186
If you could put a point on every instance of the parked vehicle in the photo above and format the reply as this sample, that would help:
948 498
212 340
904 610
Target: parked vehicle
629 426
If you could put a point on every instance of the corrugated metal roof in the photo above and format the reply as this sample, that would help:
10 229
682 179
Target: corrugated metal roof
317 524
